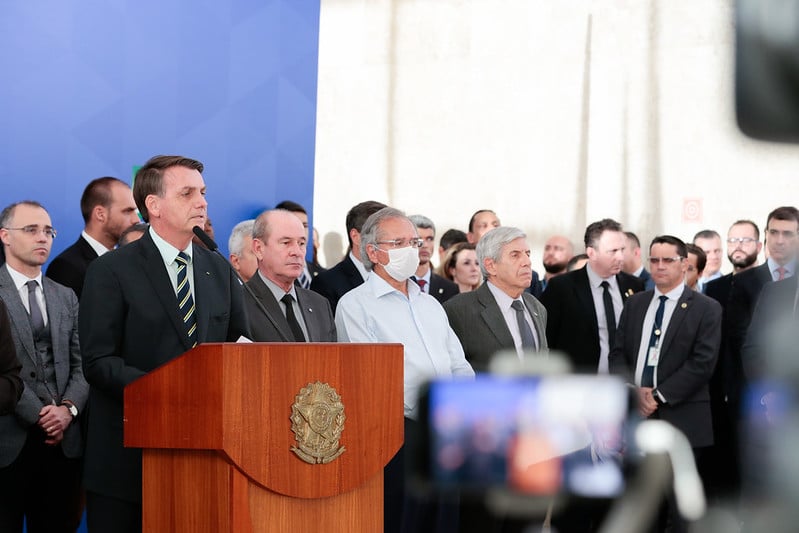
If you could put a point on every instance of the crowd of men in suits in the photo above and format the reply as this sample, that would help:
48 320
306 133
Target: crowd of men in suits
107 313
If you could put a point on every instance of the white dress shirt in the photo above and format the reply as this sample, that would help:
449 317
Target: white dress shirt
20 282
169 254
376 312
649 321
509 314
599 306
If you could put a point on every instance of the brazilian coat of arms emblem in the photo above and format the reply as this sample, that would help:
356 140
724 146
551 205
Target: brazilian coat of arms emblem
317 420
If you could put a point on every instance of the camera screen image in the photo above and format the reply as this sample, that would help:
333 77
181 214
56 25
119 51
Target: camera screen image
534 435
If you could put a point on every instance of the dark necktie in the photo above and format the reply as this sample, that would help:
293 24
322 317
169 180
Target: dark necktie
291 318
610 314
185 301
528 341
37 320
648 376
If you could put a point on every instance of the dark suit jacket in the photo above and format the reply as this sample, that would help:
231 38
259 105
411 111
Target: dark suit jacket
337 281
129 325
69 267
728 375
477 320
772 333
62 318
688 354
315 312
646 277
745 290
10 382
571 316
442 289
314 270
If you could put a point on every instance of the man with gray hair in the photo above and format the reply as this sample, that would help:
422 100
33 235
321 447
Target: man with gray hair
499 315
240 247
389 307
439 288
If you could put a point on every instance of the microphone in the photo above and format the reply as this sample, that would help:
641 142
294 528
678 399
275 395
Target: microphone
211 245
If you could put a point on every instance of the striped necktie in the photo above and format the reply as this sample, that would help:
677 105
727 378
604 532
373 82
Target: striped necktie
185 301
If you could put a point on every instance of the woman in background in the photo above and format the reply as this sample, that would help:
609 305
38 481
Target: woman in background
460 266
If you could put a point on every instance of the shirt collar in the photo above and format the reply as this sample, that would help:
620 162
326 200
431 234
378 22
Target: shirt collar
673 294
790 266
167 251
503 300
380 287
96 245
20 279
277 290
359 266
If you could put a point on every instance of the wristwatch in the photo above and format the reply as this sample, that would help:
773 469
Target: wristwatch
72 409
656 396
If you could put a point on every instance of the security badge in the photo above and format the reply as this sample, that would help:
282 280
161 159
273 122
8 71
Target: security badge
653 356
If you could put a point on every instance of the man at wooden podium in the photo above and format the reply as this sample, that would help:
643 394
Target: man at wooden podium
295 314
143 305
389 307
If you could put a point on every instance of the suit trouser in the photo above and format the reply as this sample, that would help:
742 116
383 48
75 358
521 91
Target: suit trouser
41 485
105 514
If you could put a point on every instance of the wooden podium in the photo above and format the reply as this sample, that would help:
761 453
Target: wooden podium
216 428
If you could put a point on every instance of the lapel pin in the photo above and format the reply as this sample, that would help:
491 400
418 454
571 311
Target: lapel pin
440 291
628 293
310 310
684 305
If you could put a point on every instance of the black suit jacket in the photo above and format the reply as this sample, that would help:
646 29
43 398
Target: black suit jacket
728 374
688 354
442 289
477 320
129 325
315 312
770 344
745 290
337 281
571 316
69 267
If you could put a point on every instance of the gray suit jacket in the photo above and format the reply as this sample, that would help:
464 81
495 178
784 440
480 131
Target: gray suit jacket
688 355
478 322
62 314
315 310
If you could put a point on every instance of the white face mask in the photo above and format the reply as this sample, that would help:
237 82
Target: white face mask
402 262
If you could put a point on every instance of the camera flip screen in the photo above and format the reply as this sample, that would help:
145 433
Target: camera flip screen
536 435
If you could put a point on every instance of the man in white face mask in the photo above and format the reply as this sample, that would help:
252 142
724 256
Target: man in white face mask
389 307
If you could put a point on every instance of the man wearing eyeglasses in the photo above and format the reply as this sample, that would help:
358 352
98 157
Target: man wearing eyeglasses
667 343
40 443
720 469
390 307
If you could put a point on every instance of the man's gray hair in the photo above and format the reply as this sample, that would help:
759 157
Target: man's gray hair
235 243
370 231
490 245
421 221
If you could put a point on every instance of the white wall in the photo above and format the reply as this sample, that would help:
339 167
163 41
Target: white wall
552 113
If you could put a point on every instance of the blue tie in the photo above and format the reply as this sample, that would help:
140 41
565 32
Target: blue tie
648 376
185 301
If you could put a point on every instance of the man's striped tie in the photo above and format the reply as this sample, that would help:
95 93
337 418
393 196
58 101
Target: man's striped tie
185 301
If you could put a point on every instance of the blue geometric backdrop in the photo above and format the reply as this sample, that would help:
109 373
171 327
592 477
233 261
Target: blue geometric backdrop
95 88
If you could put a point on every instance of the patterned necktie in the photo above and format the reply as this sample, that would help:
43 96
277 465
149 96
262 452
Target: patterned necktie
781 271
305 279
291 318
610 314
528 341
648 376
37 319
185 301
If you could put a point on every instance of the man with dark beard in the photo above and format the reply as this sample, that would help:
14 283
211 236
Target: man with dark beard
558 250
720 468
